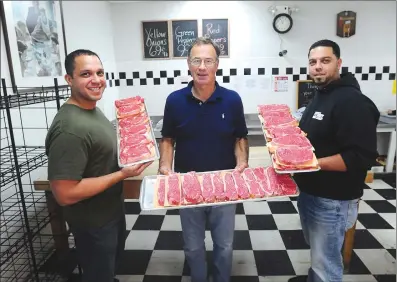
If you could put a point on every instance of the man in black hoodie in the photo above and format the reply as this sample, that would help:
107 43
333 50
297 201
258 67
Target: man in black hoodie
340 122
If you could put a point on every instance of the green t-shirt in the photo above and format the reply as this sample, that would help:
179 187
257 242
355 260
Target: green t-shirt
82 144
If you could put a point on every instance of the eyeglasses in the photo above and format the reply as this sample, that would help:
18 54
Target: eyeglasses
207 62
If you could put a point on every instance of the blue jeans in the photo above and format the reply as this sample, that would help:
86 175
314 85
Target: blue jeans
221 221
324 223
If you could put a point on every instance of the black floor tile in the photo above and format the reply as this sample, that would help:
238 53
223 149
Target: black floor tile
173 212
132 207
293 198
148 222
385 278
294 239
161 278
373 221
282 207
240 209
381 206
133 262
392 252
389 178
270 263
169 240
388 194
261 222
357 266
364 240
242 240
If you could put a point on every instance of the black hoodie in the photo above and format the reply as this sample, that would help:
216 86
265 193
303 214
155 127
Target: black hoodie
340 120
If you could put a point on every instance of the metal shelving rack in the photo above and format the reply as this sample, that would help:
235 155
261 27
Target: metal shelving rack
27 243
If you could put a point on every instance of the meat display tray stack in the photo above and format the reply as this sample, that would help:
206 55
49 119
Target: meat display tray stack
284 171
142 117
148 190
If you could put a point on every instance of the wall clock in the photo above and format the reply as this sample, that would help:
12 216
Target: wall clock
282 23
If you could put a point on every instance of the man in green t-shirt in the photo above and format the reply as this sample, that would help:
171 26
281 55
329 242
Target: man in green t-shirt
83 171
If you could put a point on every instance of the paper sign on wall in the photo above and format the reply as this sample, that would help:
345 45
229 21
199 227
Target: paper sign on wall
280 83
393 90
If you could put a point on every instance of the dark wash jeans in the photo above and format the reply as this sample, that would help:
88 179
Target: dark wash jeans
99 249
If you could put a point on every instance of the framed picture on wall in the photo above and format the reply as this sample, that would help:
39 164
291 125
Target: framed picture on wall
184 32
34 37
155 40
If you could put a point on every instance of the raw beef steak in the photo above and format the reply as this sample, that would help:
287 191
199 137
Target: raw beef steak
253 185
279 131
230 187
208 188
294 156
161 190
134 120
130 100
219 186
272 121
291 140
191 189
242 187
173 191
131 154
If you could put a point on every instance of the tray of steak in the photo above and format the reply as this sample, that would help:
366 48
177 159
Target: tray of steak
290 150
136 142
198 189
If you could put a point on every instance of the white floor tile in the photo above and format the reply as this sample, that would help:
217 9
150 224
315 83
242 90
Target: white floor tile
386 237
244 263
266 240
130 220
241 222
274 278
370 194
209 244
256 208
141 240
287 221
390 218
359 225
379 184
172 223
363 207
300 260
359 278
393 202
154 212
377 261
130 278
166 263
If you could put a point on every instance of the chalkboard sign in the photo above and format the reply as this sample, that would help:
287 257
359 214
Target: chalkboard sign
305 92
156 40
184 32
218 31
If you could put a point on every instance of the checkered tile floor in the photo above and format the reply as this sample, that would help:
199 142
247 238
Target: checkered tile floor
269 243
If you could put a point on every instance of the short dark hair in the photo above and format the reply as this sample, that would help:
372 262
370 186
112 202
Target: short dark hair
205 41
326 43
70 59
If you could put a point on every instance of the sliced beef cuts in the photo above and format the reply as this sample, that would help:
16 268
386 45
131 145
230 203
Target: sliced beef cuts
294 156
254 186
272 121
230 187
263 180
290 140
134 132
208 188
219 186
242 187
278 131
273 107
191 189
161 191
173 188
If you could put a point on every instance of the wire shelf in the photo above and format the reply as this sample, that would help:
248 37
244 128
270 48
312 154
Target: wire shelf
27 244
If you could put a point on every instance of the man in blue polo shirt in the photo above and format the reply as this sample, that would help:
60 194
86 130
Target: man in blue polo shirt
206 124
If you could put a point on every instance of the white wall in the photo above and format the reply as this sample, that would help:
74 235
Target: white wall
254 43
88 25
